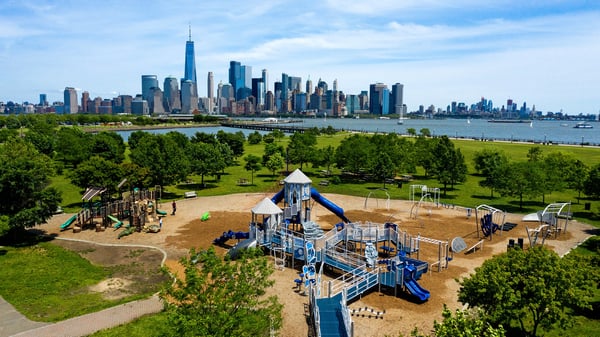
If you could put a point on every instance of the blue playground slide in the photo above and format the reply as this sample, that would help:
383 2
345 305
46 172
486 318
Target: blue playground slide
68 222
245 244
278 197
118 223
330 312
335 209
415 289
231 235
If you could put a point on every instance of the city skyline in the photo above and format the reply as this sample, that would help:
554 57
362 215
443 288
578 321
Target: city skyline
543 54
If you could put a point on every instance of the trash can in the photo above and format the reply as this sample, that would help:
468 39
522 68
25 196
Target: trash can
468 212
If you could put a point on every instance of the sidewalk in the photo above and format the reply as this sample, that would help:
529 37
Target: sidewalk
14 324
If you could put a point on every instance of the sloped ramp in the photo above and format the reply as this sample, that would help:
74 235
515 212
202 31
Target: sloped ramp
331 319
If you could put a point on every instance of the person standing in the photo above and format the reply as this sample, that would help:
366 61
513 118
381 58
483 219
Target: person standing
174 207
160 223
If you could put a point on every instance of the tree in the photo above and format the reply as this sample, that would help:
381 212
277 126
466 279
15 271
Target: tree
301 147
165 160
591 186
108 145
72 146
98 171
252 164
411 132
577 173
25 196
382 167
271 149
464 323
534 288
325 157
519 179
490 163
254 138
352 153
425 132
217 297
275 163
448 163
206 159
234 140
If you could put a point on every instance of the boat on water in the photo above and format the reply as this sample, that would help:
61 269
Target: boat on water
583 125
384 117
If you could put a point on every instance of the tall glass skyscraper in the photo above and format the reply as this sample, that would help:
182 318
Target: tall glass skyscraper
189 73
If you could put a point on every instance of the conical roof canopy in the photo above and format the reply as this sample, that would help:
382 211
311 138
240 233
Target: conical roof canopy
297 177
266 206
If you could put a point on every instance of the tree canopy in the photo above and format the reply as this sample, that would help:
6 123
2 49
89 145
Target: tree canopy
217 297
25 196
534 288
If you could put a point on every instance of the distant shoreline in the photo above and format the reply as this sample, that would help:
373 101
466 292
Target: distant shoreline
96 129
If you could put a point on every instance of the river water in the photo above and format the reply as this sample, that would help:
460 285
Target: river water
557 132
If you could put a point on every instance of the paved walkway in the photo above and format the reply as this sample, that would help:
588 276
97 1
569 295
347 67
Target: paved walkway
12 323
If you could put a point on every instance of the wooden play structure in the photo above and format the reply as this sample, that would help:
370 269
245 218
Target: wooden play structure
138 208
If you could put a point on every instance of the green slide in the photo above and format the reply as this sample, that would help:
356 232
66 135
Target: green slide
68 222
118 223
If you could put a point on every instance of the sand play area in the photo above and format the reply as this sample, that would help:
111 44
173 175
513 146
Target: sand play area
233 212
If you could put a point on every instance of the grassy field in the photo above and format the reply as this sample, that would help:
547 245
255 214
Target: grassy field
468 194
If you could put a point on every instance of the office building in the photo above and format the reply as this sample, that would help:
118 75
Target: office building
265 80
396 101
189 73
189 101
210 92
172 96
240 78
70 99
139 106
148 82
379 96
85 97
43 100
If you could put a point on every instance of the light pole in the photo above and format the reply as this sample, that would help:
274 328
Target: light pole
582 141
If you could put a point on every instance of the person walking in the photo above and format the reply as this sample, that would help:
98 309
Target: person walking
174 207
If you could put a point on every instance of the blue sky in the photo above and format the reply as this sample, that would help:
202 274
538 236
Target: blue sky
545 52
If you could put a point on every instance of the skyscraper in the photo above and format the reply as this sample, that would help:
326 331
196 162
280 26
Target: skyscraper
397 99
379 96
172 101
148 82
70 96
210 88
189 73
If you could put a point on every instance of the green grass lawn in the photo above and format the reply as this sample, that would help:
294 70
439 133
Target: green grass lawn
48 283
468 194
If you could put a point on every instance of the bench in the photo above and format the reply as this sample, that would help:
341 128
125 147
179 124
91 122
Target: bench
324 182
190 194
243 182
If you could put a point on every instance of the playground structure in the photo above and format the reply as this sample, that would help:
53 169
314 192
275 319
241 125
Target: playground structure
137 207
489 220
365 255
553 221
426 195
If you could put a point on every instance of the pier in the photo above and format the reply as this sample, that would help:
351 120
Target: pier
267 125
